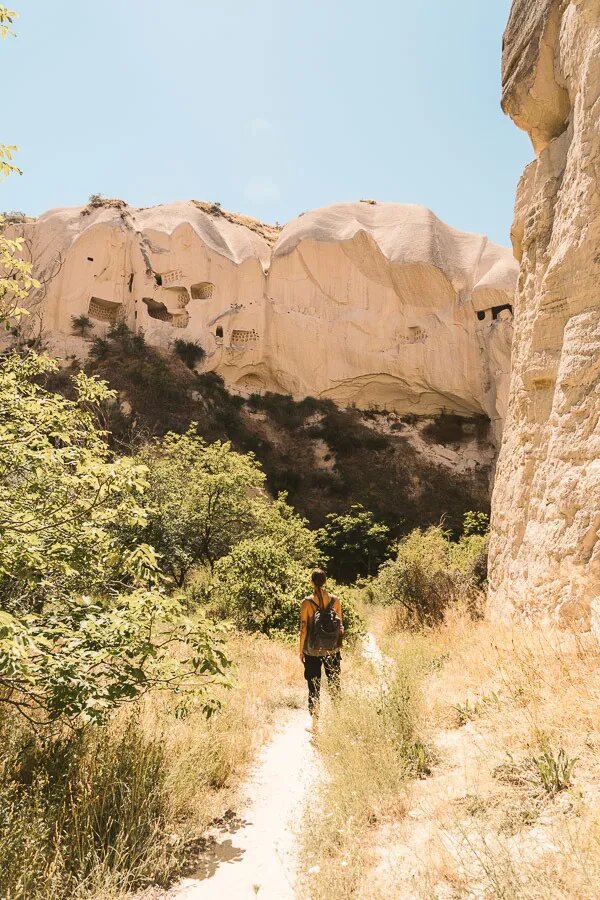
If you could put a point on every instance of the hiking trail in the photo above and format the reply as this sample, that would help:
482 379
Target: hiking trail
254 852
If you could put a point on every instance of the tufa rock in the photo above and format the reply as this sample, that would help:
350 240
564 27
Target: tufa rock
372 304
545 550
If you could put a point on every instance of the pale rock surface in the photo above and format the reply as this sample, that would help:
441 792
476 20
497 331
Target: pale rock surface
375 304
545 551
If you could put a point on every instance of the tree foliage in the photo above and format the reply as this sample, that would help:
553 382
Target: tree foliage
81 325
430 572
278 520
84 625
261 585
15 274
200 500
356 542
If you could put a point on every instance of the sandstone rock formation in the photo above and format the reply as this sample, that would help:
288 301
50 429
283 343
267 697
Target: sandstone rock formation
364 303
545 554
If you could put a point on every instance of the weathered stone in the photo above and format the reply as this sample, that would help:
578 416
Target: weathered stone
545 551
374 304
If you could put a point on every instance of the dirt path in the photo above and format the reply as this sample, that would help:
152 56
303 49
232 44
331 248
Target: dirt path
254 853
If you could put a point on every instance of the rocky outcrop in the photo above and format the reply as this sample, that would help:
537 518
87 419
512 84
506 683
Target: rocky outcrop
545 553
372 304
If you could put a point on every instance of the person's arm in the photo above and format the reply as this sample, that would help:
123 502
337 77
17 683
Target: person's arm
303 627
338 608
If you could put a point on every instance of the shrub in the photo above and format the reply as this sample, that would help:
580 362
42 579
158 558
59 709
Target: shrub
431 572
344 433
81 325
355 542
189 352
549 773
99 350
260 585
287 412
128 341
200 498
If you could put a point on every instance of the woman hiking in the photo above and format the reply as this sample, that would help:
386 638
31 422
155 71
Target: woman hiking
321 632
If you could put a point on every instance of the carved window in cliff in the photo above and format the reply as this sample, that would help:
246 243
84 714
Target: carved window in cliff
482 314
180 320
496 310
158 310
219 334
104 310
182 298
243 339
171 278
203 290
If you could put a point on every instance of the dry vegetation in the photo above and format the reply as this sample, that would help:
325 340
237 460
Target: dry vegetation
511 808
475 773
101 811
371 748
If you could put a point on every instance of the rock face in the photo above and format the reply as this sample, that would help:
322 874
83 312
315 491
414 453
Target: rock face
365 303
545 553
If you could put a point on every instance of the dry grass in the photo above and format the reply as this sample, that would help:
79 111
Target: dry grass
370 748
513 808
209 760
112 809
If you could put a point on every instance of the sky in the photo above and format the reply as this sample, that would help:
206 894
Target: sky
269 107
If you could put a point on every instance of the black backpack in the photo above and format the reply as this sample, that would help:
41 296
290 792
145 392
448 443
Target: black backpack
324 630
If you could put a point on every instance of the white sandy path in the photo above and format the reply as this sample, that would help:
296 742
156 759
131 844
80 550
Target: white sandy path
258 858
257 855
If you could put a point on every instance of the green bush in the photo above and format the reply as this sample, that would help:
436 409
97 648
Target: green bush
431 572
355 542
189 352
260 586
200 500
81 325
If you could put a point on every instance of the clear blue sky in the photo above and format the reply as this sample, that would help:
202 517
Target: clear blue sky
270 107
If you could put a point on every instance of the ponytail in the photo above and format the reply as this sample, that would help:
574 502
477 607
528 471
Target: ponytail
318 579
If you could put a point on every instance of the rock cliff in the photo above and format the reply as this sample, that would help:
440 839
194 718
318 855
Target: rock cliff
366 303
545 553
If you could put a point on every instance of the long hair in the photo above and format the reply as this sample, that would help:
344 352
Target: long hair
318 579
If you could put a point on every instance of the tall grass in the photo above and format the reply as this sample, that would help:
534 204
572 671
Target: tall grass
370 748
105 810
522 820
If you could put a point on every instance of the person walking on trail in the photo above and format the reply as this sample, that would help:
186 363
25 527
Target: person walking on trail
321 633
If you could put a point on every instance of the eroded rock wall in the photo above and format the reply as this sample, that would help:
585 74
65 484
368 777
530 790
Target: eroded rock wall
372 304
545 552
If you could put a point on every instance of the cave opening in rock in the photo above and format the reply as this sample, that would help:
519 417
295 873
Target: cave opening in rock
219 332
104 310
496 310
157 310
203 290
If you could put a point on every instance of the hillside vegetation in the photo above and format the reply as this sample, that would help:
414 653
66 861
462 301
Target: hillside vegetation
311 449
